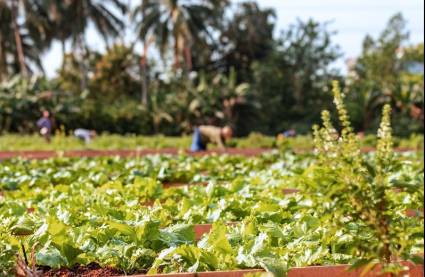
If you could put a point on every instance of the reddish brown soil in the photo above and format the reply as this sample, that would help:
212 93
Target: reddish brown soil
92 270
122 153
311 271
138 153
341 271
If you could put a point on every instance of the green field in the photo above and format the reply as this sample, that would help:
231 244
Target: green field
117 142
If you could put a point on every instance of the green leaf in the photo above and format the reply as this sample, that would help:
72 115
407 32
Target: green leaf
50 256
178 234
360 263
55 226
216 240
275 266
417 259
70 253
23 227
123 229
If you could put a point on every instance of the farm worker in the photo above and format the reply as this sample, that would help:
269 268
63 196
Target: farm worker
45 125
287 134
85 135
203 135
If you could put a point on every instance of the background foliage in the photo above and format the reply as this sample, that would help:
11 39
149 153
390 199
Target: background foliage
218 64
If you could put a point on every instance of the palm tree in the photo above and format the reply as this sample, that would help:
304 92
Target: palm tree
25 41
5 23
179 23
98 12
59 15
71 19
17 33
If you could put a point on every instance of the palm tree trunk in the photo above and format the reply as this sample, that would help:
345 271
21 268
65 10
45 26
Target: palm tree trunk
18 39
187 49
63 54
176 53
83 70
144 69
3 65
367 119
81 44
188 57
143 75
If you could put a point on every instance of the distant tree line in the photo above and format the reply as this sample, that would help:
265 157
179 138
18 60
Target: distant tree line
202 62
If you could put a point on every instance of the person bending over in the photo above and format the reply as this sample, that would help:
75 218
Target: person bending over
204 135
85 135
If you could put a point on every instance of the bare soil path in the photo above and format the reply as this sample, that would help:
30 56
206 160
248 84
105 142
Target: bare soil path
122 153
248 152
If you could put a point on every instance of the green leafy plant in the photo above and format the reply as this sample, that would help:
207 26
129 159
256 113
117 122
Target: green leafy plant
363 190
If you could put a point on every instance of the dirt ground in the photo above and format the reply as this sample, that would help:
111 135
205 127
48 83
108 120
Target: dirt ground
139 153
121 153
92 270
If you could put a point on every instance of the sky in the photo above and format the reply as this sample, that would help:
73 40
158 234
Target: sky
352 19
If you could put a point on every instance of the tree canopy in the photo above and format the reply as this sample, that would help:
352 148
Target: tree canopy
202 61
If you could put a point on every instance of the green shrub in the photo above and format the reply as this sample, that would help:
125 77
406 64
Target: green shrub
362 190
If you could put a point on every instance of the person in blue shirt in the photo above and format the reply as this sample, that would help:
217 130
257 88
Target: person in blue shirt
45 125
204 135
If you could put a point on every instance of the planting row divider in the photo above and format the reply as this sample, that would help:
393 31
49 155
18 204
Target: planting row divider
46 154
309 271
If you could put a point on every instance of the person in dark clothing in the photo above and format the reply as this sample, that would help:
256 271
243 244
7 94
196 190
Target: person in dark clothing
45 125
